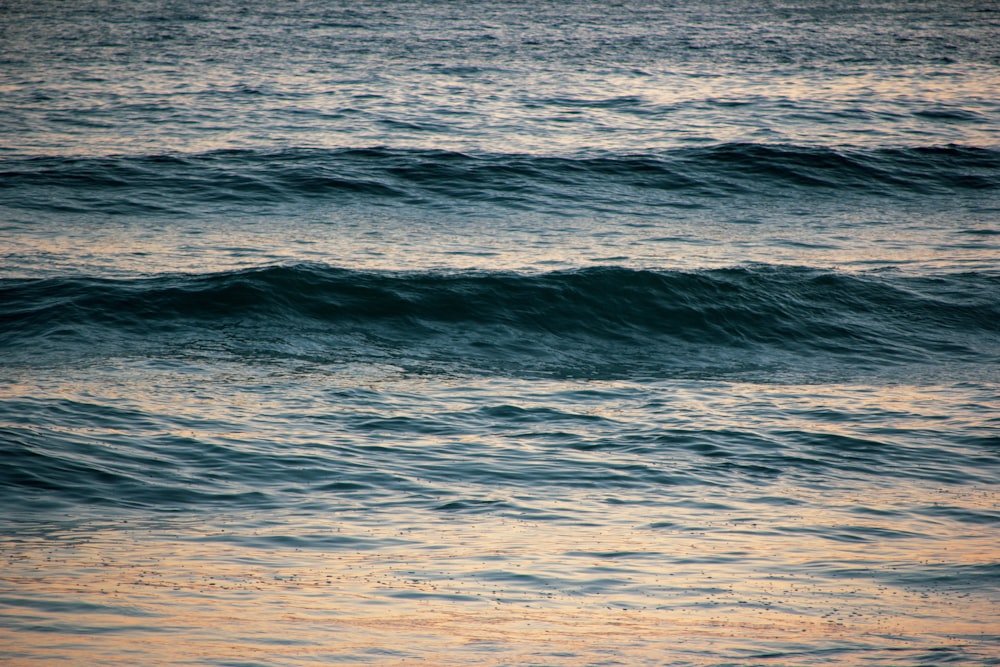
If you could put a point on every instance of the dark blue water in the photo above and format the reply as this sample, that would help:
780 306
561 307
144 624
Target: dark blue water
540 333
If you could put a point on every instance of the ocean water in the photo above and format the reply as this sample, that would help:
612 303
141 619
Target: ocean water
520 333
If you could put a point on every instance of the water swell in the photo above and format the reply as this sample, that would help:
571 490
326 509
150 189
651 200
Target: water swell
181 183
606 320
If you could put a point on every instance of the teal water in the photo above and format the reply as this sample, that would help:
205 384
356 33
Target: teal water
603 333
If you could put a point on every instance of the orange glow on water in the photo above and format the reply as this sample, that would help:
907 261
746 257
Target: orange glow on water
492 591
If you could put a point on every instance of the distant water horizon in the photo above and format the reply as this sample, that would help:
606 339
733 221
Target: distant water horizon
596 333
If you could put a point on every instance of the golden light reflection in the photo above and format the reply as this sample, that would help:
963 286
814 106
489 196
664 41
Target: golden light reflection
695 243
501 590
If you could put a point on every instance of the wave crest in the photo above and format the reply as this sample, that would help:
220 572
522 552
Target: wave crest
606 321
254 179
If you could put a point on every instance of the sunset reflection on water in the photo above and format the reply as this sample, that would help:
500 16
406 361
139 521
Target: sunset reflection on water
693 586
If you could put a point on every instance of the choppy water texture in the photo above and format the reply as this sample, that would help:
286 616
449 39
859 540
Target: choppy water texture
540 333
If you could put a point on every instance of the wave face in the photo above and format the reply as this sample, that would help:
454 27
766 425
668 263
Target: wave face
624 183
603 322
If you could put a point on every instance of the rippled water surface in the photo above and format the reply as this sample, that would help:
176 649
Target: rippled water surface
532 334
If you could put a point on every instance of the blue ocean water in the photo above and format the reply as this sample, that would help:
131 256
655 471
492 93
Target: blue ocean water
530 333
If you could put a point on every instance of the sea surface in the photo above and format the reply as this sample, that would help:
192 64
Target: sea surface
510 333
